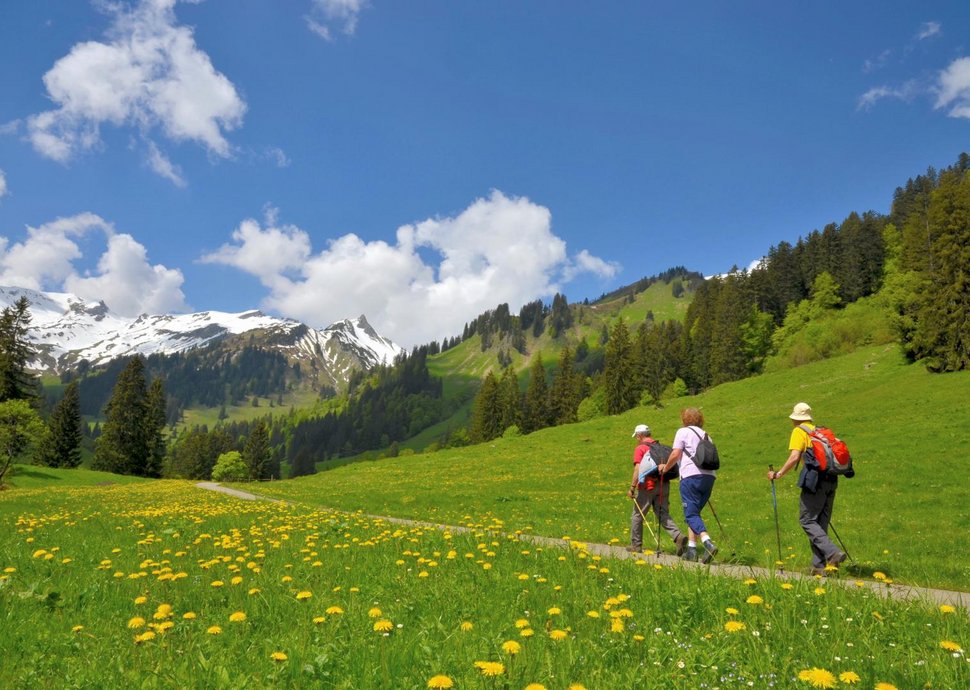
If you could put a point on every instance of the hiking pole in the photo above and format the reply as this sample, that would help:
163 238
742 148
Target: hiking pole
842 543
719 525
643 517
774 501
659 509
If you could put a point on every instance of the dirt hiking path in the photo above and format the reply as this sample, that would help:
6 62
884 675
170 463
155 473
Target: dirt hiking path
889 591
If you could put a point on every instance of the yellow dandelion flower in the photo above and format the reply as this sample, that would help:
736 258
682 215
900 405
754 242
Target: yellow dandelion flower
318 620
236 580
558 635
617 625
787 585
303 596
237 617
879 575
214 630
136 623
946 608
140 600
535 686
77 628
286 578
189 615
849 677
818 677
593 614
734 626
218 583
750 581
950 646
885 686
526 632
877 615
162 627
440 682
521 623
819 591
253 591
278 656
554 611
511 647
383 626
576 686
466 626
334 611
754 600
144 637
490 668
732 611
375 613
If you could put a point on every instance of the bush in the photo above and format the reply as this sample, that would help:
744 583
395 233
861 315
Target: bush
593 406
230 467
512 432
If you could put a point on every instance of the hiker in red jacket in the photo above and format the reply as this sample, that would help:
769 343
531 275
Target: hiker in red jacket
649 494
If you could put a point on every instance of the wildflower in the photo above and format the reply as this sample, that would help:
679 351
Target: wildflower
136 622
334 611
162 627
879 575
554 611
466 626
318 620
946 608
77 628
787 585
526 632
189 615
616 626
490 668
732 611
236 580
383 626
237 617
750 581
849 677
734 626
144 637
951 646
303 596
440 682
535 686
818 677
558 635
214 630
593 614
217 583
140 600
375 613
577 686
278 656
521 623
819 591
885 686
253 591
511 647
754 599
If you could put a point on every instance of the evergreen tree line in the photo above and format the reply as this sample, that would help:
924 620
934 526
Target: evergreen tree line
193 454
687 281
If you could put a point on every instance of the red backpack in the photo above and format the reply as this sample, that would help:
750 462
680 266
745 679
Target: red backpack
827 453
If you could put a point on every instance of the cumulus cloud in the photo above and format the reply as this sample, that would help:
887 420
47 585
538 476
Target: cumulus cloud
124 279
3 184
954 88
149 74
906 92
499 249
928 30
162 165
326 15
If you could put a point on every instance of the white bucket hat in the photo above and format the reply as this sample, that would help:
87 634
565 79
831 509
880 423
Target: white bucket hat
801 413
642 429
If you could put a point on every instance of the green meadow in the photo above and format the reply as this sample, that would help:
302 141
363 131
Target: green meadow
902 515
163 585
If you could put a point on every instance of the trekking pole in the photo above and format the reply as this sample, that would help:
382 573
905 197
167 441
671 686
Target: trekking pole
659 509
643 517
774 500
720 526
832 527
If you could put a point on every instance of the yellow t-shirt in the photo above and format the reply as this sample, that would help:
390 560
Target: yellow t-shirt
799 439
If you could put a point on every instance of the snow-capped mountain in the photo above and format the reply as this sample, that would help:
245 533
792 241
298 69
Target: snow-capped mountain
66 329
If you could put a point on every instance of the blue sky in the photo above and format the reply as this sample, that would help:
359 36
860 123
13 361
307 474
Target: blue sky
420 162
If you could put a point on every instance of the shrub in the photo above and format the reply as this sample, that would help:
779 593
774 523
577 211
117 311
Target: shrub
230 467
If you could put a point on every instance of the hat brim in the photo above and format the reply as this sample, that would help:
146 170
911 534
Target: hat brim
799 418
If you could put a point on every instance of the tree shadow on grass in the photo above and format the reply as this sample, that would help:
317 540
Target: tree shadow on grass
33 473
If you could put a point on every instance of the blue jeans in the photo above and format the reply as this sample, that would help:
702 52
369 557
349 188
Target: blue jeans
695 491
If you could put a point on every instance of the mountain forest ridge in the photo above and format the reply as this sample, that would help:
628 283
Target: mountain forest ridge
870 279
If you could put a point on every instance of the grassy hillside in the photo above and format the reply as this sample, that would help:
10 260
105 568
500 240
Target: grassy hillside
571 480
34 477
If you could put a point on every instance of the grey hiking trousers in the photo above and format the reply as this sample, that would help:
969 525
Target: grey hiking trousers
814 514
651 500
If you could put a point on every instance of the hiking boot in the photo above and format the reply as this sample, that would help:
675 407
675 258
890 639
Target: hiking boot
634 549
821 572
681 543
710 549
835 560
690 553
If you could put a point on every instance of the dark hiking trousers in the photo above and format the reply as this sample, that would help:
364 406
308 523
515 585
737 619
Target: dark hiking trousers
814 514
648 500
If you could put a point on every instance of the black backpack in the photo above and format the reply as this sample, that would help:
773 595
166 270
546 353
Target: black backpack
706 457
660 454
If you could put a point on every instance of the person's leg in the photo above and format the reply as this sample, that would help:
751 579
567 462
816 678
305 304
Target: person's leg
661 507
640 505
691 495
832 554
706 489
811 509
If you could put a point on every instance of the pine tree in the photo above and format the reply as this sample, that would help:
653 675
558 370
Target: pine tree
619 373
64 447
155 407
535 413
16 381
123 445
256 452
486 412
509 400
564 395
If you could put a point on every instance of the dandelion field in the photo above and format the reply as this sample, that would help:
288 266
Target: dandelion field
164 585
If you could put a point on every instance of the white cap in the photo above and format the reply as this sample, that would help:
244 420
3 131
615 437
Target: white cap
801 413
642 429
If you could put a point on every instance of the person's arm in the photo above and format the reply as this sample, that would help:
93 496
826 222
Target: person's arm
792 460
671 461
635 481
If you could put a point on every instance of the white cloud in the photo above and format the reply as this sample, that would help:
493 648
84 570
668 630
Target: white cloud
325 14
928 30
906 92
124 279
954 88
3 184
148 74
278 156
161 164
876 63
499 249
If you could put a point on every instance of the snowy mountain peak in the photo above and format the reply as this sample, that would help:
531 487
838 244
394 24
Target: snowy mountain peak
66 329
